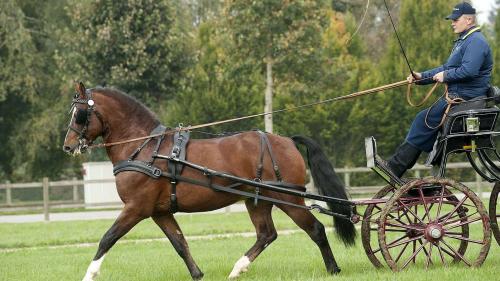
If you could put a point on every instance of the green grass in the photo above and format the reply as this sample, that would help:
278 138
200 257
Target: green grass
290 257
60 233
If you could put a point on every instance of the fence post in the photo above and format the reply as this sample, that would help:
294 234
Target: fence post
478 186
45 186
417 173
8 193
75 191
347 178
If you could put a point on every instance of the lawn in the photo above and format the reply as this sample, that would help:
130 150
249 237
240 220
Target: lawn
290 257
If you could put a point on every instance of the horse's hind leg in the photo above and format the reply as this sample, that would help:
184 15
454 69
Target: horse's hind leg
315 229
169 226
127 219
266 233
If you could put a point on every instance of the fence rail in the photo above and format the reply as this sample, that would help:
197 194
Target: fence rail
479 186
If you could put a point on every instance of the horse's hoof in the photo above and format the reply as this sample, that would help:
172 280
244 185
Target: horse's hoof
336 270
198 276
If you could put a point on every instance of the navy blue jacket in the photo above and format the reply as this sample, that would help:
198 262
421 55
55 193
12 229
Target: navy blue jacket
468 69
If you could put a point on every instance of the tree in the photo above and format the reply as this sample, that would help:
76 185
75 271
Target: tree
496 70
18 76
280 35
216 89
133 45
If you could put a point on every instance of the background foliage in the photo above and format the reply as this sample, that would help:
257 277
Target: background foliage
196 61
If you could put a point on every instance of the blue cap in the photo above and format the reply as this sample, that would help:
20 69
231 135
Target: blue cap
460 9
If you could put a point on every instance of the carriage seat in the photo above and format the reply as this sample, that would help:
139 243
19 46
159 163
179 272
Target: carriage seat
468 126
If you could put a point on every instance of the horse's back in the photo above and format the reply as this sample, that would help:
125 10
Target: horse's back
239 154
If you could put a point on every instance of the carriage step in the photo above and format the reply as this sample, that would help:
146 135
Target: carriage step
374 162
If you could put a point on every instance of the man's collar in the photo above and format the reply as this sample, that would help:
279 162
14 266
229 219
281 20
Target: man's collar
468 32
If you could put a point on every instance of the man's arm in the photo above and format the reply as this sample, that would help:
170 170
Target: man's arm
427 75
471 62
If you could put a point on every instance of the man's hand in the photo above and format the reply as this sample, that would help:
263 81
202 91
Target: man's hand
439 77
411 79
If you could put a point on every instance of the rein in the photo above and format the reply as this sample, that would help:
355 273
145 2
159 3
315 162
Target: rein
300 107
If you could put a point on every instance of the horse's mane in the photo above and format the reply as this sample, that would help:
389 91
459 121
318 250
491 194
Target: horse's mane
131 104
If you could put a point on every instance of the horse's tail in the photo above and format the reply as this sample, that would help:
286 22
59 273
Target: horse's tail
328 184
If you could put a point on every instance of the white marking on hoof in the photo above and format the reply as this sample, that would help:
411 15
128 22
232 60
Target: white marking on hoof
240 266
93 270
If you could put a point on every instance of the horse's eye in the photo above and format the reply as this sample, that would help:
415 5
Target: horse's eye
81 117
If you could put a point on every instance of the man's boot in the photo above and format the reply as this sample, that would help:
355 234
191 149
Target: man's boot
404 158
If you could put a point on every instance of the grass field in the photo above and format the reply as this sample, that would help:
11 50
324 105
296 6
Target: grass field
290 257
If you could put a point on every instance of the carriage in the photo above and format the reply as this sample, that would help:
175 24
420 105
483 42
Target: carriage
423 221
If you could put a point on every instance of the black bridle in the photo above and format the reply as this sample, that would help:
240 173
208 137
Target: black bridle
83 118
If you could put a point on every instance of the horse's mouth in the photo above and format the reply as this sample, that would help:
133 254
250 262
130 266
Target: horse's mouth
76 149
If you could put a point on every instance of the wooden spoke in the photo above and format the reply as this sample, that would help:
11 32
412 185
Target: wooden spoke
410 211
402 251
441 254
456 207
456 253
429 257
461 219
392 245
426 208
415 253
411 227
465 239
430 208
463 223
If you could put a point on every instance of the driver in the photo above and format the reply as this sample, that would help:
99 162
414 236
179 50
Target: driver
467 73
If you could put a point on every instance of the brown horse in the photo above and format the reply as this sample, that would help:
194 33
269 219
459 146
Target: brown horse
116 116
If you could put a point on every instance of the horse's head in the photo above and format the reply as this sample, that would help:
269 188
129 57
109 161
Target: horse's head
86 123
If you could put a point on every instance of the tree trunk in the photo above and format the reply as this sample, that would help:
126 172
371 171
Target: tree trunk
268 106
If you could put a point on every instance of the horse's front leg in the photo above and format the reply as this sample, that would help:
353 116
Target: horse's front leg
127 219
169 226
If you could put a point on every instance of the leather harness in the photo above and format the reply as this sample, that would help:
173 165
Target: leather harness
176 161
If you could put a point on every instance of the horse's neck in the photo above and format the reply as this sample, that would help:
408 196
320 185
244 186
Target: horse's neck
124 127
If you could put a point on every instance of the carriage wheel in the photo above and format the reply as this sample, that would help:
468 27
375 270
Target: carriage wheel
369 226
434 221
493 211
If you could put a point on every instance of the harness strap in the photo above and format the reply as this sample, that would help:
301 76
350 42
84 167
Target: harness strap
162 129
180 140
159 129
155 172
265 140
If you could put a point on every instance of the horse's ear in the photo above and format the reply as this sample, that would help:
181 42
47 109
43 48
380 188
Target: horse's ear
80 89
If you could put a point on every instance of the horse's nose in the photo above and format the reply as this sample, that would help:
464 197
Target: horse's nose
66 148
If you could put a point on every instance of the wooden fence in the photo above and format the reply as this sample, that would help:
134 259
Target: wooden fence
479 186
